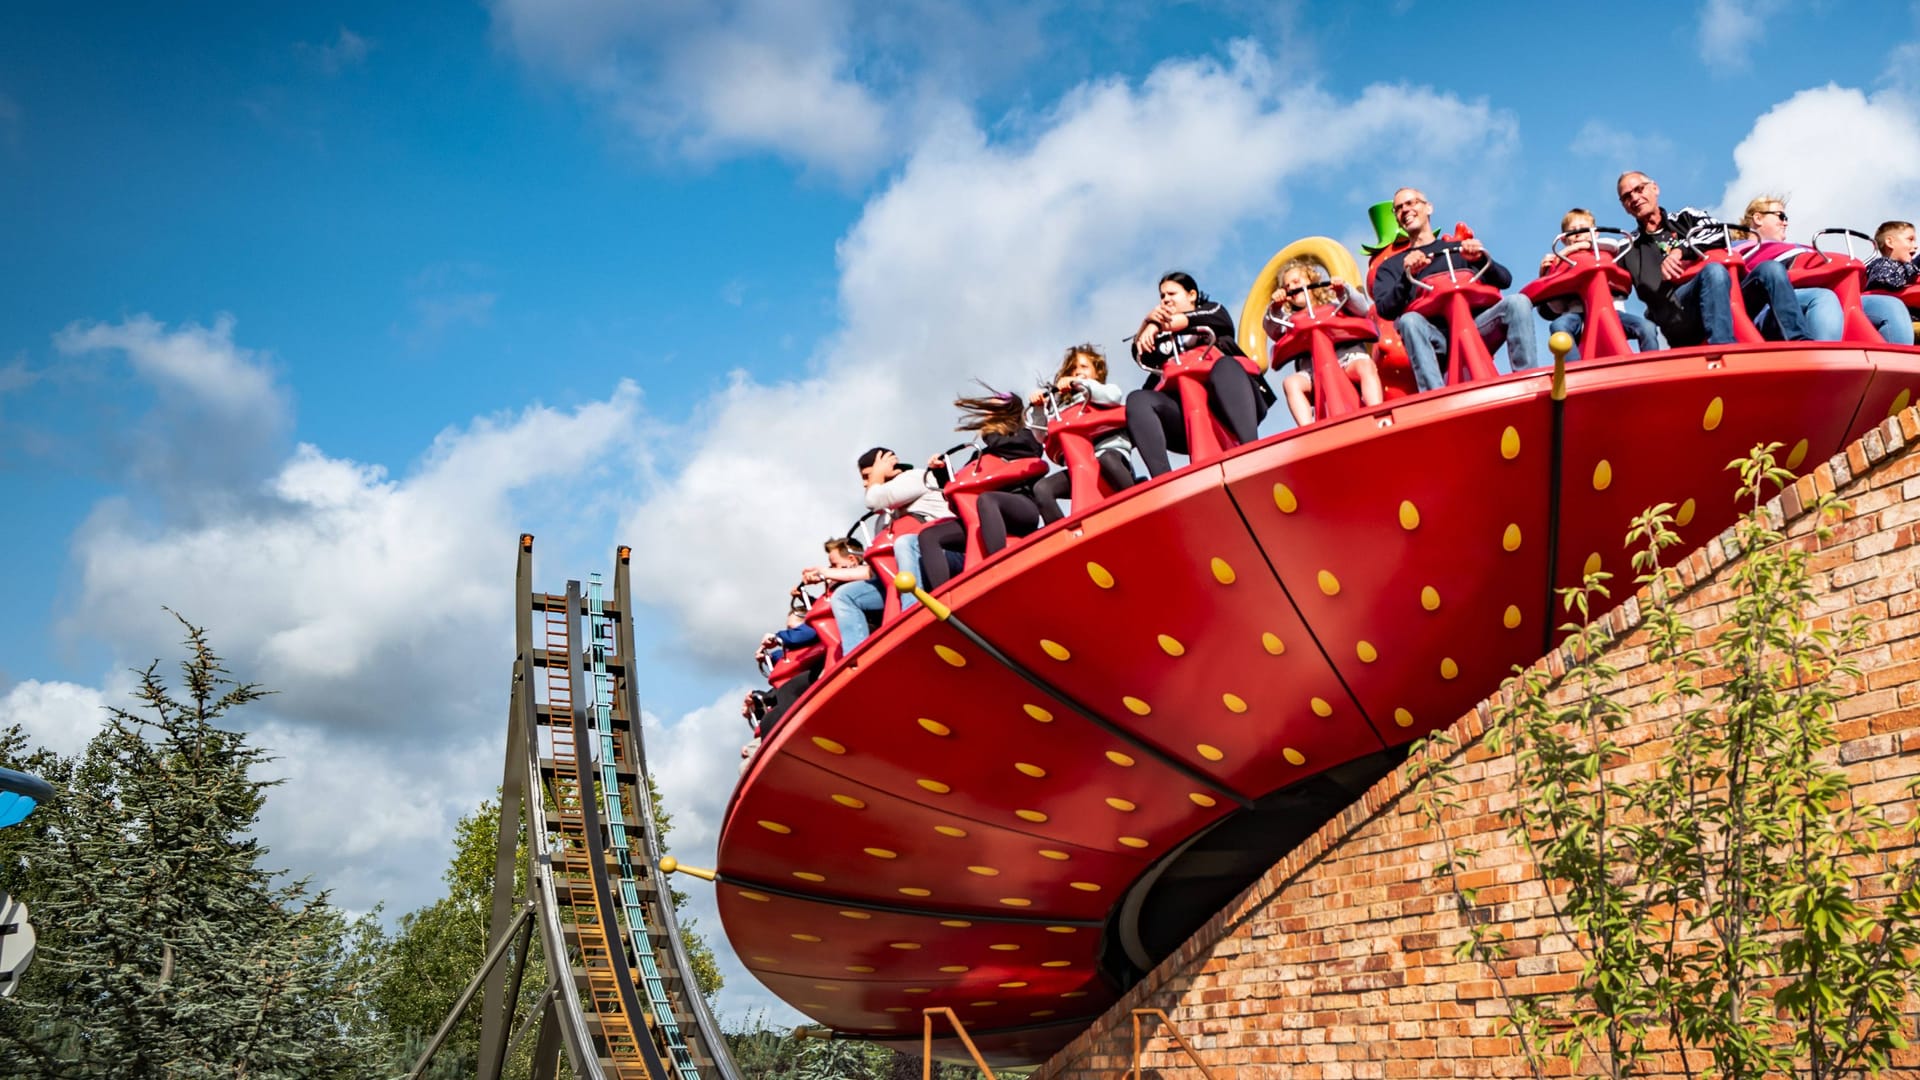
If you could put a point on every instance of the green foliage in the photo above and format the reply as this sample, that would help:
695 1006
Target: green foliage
762 1053
1710 896
166 949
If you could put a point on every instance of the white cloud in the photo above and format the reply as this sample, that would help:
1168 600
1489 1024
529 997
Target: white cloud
714 80
199 362
1729 29
59 716
347 49
1843 158
1620 149
986 258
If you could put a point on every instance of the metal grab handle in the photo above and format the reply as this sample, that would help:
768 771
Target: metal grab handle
1174 335
1447 252
1850 234
1592 235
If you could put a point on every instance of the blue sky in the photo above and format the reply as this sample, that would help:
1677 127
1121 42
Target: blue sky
312 310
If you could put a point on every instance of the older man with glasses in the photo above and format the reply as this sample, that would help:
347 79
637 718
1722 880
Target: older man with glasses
1698 309
1509 321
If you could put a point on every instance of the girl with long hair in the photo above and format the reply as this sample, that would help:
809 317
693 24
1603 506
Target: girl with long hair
1000 420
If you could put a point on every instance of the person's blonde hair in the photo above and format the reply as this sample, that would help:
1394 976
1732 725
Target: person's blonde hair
1317 275
1577 213
1761 204
840 545
1074 353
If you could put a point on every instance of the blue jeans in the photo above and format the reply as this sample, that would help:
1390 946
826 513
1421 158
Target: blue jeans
1646 336
1889 316
1509 321
906 555
1819 312
1705 298
850 603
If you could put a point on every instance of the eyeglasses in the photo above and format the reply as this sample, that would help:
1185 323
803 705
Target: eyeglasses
1635 190
1399 206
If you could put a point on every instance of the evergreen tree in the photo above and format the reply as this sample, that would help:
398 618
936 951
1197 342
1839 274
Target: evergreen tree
168 949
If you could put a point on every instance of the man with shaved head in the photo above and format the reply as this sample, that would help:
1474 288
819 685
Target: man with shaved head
1394 289
1697 309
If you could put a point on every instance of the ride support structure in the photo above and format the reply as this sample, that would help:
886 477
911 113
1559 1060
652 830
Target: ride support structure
575 850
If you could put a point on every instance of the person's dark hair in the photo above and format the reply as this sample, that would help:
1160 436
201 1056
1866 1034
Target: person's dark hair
994 414
1185 281
867 459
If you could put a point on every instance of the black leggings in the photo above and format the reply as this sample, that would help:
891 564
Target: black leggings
1001 513
1115 469
1155 424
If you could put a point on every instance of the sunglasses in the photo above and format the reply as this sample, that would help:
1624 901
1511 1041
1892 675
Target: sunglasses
1781 214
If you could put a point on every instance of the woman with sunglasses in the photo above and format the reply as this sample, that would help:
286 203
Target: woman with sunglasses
1766 223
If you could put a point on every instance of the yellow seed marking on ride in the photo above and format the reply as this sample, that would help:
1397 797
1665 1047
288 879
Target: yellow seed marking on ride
1602 475
1509 443
1510 540
1029 769
806 937
1900 401
1211 753
934 786
1201 798
1366 652
1038 713
1403 717
1449 669
1136 706
1715 410
758 898
1132 842
1234 703
1120 804
1059 930
1328 583
981 1004
860 969
856 915
957 924
1056 856
1084 886
764 960
1100 575
1041 1012
775 827
1272 643
850 802
1798 455
936 727
912 890
825 986
1004 948
1684 515
1011 985
1512 616
1171 645
955 969
1055 649
1015 901
1074 994
950 656
1034 816
898 1009
1320 707
828 745
1056 963
1120 759
1222 573
984 871
918 990
881 853
903 946
1294 757
1283 498
950 830
1409 515
1430 598
808 875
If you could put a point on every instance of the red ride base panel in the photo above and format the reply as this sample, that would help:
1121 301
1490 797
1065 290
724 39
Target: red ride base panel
929 827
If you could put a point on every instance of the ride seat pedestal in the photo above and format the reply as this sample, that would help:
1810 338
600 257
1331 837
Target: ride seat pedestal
1207 438
1596 281
1744 332
1070 440
1457 297
1321 331
1843 274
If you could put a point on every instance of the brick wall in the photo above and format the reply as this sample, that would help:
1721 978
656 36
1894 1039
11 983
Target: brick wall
1339 962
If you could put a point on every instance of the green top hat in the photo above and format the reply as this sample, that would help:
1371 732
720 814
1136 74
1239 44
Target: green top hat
1386 226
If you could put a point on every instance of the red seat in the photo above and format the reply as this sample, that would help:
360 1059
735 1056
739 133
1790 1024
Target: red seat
1594 278
1070 439
1457 296
1744 331
983 474
1207 437
1319 331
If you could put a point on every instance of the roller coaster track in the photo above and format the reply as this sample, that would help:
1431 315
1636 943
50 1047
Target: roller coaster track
575 854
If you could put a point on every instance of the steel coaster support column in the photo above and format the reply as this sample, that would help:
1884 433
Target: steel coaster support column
496 1012
600 636
706 1035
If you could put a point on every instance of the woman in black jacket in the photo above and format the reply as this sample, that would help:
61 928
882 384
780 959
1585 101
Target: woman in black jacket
1239 398
1001 421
